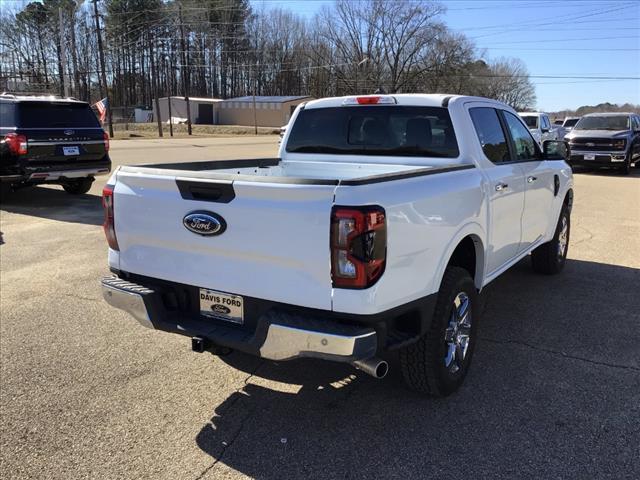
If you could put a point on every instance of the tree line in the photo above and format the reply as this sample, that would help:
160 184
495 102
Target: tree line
600 108
226 48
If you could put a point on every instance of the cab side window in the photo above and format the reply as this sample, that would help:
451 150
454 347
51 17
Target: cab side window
490 133
524 144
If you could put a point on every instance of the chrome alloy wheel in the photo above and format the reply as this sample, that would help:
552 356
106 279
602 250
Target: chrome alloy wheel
563 238
457 334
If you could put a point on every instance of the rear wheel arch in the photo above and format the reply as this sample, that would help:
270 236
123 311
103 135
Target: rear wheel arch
468 254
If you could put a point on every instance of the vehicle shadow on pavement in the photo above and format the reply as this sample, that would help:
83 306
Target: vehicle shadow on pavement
55 204
554 391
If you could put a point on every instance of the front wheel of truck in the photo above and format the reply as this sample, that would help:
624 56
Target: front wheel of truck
79 186
625 169
438 362
549 258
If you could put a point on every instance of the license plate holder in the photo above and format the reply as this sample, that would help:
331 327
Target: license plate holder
589 156
222 306
69 151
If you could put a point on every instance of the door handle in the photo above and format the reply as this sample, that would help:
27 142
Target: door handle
501 187
531 179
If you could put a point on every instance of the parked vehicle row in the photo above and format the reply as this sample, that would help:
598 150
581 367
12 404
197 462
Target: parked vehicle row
50 140
378 224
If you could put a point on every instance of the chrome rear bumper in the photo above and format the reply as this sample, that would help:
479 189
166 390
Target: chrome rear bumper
278 336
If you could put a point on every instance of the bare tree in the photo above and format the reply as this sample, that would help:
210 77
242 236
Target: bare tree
228 49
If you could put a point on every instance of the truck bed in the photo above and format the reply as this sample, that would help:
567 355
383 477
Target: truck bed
275 170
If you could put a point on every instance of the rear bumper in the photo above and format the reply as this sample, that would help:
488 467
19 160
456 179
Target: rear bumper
271 330
278 336
57 172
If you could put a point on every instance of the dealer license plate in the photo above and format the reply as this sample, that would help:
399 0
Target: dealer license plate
221 306
589 156
71 150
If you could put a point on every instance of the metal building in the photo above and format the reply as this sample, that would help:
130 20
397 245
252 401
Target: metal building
203 110
269 111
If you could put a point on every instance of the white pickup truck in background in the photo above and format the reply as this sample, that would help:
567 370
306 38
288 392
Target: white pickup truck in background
374 231
541 127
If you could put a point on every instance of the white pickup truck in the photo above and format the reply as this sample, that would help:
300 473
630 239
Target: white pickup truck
541 127
373 231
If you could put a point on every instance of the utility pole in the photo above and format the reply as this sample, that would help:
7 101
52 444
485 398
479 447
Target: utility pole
255 114
102 67
169 97
63 57
184 74
154 85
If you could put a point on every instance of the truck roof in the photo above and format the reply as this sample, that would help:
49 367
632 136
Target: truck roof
607 114
11 97
415 99
532 113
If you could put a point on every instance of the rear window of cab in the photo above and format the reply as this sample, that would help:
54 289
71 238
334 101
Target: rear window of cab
374 130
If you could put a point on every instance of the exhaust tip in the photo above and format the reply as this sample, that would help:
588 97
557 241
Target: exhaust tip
382 369
373 366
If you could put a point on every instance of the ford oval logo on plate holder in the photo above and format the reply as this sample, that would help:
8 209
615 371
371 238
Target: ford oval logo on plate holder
204 223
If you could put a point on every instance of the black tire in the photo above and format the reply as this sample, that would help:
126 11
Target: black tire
78 187
625 169
549 258
424 363
5 190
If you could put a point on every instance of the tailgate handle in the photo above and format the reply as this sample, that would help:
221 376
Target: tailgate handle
220 192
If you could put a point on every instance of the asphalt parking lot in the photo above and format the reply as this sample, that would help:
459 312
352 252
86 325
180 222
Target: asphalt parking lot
85 392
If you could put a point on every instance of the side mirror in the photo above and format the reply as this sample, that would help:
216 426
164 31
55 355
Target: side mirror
555 150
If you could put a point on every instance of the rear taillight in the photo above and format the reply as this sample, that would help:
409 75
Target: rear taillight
109 220
17 143
358 246
105 136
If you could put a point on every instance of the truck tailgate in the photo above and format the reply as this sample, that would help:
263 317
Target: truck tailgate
275 246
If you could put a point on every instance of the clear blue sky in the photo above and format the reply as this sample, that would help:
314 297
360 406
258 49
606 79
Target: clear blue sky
571 38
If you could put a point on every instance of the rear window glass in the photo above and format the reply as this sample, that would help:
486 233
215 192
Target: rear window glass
530 120
374 130
571 122
56 115
6 115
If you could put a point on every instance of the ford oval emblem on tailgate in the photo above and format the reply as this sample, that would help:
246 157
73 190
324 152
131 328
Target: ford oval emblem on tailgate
204 223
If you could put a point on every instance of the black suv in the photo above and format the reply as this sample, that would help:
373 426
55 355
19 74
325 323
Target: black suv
51 140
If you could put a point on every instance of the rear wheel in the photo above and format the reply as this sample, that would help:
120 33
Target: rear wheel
549 258
79 186
438 362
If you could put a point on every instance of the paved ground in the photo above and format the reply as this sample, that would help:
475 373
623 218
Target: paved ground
87 393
